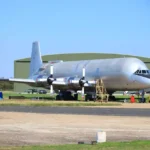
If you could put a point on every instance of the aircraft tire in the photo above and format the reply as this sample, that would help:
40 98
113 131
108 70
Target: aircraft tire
112 98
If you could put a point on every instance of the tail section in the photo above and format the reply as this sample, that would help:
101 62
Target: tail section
36 60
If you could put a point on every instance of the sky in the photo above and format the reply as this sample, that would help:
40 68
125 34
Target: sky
72 26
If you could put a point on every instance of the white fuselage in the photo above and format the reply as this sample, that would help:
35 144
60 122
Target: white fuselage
117 74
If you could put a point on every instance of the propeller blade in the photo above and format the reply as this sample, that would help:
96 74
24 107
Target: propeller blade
83 75
51 89
51 73
83 90
51 70
83 72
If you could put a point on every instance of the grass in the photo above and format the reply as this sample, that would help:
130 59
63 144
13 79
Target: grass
121 98
53 103
138 145
50 100
6 95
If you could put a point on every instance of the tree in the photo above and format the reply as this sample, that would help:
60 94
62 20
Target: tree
6 85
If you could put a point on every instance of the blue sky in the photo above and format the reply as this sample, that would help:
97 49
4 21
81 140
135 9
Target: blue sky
72 26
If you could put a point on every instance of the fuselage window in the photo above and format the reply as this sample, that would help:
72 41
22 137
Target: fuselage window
144 71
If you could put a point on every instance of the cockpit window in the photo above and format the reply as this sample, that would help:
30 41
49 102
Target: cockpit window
137 72
142 72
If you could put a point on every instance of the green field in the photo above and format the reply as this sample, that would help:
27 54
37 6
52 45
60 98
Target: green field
135 145
6 95
53 103
47 100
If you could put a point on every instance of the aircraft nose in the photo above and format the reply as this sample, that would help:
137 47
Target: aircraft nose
141 81
145 75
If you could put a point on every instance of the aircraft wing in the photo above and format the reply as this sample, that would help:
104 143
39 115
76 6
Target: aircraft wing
57 81
18 80
66 81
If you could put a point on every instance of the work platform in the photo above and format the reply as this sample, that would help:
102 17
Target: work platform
101 92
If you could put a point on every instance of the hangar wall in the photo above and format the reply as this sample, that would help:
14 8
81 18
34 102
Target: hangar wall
21 67
21 70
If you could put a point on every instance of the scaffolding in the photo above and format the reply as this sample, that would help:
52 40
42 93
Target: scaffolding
101 92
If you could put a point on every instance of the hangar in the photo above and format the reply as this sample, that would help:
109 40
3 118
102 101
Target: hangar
21 66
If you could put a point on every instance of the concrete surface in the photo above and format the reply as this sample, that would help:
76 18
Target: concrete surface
35 128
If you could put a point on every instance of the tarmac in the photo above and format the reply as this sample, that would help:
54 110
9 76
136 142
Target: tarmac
105 111
20 125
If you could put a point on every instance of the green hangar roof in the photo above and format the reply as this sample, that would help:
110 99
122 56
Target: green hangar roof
83 56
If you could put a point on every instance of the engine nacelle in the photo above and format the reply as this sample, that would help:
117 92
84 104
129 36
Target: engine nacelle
72 80
79 81
82 81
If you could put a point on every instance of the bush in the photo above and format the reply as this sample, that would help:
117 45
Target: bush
6 85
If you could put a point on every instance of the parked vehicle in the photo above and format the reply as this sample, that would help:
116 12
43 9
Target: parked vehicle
32 91
65 95
42 92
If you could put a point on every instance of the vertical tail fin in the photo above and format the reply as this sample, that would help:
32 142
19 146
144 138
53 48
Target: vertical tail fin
36 60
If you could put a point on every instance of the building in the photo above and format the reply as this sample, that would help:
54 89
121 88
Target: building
21 67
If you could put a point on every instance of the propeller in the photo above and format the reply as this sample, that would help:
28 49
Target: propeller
50 79
82 81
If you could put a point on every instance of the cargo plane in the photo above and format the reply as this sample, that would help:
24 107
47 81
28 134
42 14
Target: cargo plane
118 74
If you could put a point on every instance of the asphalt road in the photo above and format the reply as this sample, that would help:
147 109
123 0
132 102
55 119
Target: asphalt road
139 112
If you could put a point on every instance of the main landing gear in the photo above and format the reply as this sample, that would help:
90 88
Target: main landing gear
112 98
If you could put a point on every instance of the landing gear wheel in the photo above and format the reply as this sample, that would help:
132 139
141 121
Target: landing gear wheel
112 98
